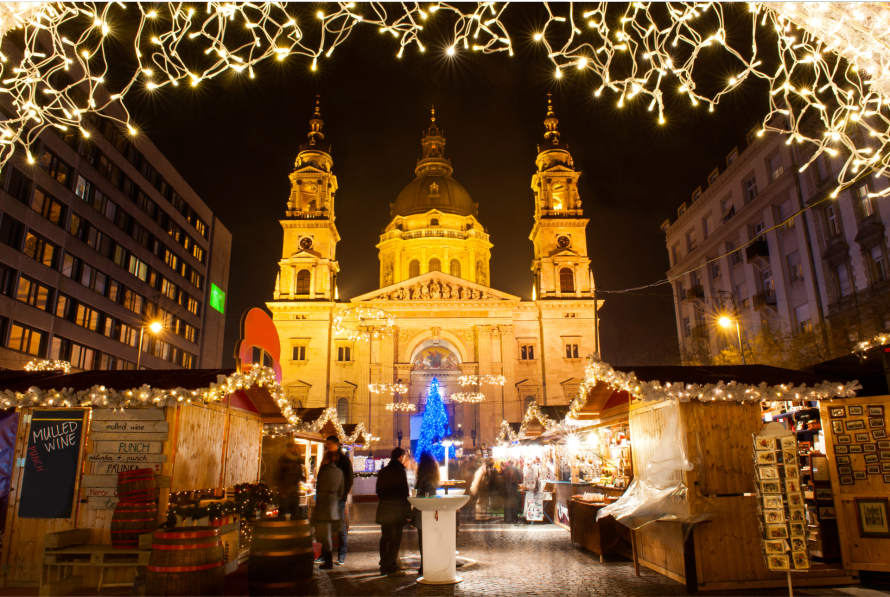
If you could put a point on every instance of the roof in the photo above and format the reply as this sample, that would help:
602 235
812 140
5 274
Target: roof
421 196
869 371
747 374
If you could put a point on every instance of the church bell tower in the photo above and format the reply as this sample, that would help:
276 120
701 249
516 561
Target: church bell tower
561 266
308 266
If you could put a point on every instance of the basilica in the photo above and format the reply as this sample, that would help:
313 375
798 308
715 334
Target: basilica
435 263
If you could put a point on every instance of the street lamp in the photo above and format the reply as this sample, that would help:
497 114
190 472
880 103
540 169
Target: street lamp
447 442
154 327
725 322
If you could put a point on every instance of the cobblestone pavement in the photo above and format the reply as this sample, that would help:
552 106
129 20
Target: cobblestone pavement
511 561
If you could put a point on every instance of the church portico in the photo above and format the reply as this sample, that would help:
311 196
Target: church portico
435 284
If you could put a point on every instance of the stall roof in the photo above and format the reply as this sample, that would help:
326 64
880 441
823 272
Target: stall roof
868 370
165 379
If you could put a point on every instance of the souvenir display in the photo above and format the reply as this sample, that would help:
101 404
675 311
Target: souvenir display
855 411
860 475
837 412
875 423
879 433
783 518
841 449
861 437
870 447
843 460
854 424
875 410
844 439
837 426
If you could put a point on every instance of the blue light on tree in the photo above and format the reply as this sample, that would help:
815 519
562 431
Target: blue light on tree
434 426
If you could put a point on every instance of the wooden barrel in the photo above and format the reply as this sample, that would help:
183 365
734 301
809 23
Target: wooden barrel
131 519
186 561
281 557
137 485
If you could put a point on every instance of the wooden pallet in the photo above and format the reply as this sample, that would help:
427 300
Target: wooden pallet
62 563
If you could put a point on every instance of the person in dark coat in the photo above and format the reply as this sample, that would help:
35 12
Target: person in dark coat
288 478
328 492
344 463
393 511
512 481
427 483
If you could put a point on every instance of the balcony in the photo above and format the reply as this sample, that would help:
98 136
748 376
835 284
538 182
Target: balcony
843 303
696 293
700 332
765 300
757 253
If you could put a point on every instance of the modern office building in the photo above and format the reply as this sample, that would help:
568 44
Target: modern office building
739 246
100 236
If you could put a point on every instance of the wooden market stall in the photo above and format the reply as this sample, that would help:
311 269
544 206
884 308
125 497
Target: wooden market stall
724 551
200 439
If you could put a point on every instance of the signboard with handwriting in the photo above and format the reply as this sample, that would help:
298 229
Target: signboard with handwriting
51 460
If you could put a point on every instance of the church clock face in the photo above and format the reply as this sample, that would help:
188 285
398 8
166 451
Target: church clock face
306 243
563 242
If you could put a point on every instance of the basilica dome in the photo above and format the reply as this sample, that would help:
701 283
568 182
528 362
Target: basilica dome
434 191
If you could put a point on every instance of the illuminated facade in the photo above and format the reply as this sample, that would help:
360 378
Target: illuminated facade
434 279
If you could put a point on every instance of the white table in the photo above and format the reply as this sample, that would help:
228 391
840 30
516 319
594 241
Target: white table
439 516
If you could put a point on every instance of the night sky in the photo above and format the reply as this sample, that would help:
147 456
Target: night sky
235 141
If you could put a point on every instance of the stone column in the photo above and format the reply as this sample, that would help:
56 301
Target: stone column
361 372
491 404
466 414
386 426
508 358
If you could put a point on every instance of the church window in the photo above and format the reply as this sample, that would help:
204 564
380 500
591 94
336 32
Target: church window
528 402
303 281
344 354
413 268
559 195
299 353
435 265
527 352
434 222
343 410
455 268
571 351
566 280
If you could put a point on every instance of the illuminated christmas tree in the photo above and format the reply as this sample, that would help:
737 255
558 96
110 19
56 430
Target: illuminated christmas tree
434 426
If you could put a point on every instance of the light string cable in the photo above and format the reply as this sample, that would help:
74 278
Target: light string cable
658 45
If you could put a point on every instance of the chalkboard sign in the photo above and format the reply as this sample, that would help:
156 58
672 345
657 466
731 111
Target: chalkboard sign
51 464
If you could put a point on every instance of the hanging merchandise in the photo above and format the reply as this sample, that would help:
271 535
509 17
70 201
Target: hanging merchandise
780 501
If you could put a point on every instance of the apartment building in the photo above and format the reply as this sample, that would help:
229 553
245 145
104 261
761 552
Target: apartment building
737 246
100 236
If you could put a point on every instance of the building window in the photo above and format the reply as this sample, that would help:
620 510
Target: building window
775 167
434 222
681 291
455 268
750 188
877 259
690 240
696 195
303 279
87 317
344 354
707 225
768 284
39 249
715 270
528 403
27 340
527 352
833 225
48 207
741 294
566 280
34 293
414 268
785 215
795 268
758 230
435 265
732 157
843 280
675 251
735 255
866 207
299 353
55 167
571 351
343 410
823 167
82 357
802 314
687 327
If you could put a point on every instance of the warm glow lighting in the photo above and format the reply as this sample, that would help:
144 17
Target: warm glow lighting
724 321
155 327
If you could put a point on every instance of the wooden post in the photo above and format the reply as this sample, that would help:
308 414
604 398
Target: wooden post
633 549
790 592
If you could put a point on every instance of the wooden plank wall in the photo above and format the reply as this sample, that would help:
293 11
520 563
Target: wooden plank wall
199 447
858 553
244 442
273 449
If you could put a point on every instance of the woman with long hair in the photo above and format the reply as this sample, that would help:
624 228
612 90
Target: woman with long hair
328 491
427 483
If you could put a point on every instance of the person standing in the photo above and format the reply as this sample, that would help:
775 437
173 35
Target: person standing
288 478
344 463
393 510
427 483
329 487
512 480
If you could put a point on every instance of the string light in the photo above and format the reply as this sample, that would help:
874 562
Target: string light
532 413
401 407
388 388
364 323
849 101
48 365
475 380
468 397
